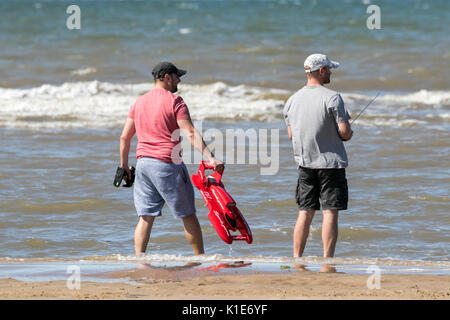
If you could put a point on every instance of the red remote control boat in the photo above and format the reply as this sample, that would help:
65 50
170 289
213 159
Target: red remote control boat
223 212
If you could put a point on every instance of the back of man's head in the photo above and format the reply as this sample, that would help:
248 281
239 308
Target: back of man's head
316 61
163 68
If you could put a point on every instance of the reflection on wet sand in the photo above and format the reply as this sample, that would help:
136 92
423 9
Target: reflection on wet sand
324 268
146 271
173 268
216 268
327 268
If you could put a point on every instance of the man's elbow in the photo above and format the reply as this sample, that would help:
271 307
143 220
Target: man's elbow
189 133
125 139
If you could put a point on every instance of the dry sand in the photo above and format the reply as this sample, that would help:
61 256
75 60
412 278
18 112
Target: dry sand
210 285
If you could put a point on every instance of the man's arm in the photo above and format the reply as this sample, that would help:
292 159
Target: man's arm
197 141
287 106
345 130
338 111
127 134
289 132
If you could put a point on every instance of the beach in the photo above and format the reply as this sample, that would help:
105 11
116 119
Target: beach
269 286
220 278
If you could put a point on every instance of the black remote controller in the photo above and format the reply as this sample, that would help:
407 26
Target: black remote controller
120 174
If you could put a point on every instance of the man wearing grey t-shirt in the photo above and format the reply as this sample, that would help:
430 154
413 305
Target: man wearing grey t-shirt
317 123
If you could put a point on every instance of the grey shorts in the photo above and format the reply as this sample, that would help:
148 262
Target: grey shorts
159 182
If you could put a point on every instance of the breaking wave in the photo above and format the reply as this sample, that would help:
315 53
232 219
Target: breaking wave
95 104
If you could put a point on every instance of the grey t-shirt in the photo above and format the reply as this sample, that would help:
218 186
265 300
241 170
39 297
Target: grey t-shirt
313 113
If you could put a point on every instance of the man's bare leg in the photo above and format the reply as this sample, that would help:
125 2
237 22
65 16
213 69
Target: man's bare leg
301 231
142 233
329 232
193 233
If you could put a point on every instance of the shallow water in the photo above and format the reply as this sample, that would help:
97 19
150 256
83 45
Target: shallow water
58 198
132 269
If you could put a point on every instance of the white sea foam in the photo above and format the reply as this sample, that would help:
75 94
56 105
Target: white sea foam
222 101
184 31
262 259
391 122
214 258
95 104
83 72
423 96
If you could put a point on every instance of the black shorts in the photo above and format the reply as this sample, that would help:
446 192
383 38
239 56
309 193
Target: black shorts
326 187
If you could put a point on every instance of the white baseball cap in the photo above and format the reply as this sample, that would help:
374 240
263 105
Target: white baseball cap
317 60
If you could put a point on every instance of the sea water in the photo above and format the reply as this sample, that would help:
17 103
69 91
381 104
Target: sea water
65 95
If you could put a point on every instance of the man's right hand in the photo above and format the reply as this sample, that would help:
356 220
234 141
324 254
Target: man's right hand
349 136
217 164
345 131
127 177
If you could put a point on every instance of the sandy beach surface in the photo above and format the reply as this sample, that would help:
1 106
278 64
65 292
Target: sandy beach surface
163 284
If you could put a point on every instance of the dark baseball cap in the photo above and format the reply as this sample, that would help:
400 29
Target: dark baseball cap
163 68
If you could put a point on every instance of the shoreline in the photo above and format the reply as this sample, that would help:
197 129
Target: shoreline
265 286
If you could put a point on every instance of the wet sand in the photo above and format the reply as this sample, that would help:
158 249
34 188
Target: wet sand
234 284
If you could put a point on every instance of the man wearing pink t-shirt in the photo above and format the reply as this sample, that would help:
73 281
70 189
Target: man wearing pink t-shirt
161 176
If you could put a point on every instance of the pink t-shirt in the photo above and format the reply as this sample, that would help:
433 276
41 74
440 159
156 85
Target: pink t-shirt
155 116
